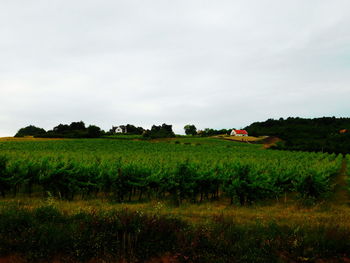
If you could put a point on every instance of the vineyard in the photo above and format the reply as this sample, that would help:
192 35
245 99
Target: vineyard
180 170
169 200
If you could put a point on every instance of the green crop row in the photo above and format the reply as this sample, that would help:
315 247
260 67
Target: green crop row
347 170
193 170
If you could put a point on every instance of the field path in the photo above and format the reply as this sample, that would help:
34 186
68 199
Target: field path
341 193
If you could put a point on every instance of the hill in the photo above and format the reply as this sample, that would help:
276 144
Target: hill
318 134
79 200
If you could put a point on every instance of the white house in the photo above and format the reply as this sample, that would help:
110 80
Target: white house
119 129
239 133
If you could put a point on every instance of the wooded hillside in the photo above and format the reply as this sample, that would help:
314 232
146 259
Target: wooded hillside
319 134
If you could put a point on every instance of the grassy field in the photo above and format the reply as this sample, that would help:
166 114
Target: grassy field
42 230
290 213
212 198
124 137
26 139
242 138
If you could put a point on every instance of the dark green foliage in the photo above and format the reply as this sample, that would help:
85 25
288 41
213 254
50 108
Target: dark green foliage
319 134
61 180
62 128
312 186
94 131
77 126
130 181
126 171
181 184
212 132
5 177
128 129
74 130
45 233
247 185
131 129
30 131
190 129
163 131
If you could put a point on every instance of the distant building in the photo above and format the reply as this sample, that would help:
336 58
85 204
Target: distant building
239 133
119 129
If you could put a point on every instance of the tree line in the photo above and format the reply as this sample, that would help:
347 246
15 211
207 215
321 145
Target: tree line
191 129
79 130
73 130
327 134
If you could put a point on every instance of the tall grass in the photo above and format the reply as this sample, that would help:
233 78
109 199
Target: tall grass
45 233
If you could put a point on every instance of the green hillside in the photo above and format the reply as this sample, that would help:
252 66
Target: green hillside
319 134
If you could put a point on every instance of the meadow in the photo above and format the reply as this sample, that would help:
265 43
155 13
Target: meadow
188 199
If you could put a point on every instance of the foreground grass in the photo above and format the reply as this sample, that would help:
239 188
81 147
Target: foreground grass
279 212
42 229
27 139
79 231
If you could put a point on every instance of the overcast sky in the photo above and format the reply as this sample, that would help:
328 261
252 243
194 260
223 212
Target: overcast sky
217 64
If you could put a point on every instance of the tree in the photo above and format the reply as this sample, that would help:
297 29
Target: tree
30 130
61 128
212 132
164 131
190 129
74 130
318 134
131 129
77 126
94 131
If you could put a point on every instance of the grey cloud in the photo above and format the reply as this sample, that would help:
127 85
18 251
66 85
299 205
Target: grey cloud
216 64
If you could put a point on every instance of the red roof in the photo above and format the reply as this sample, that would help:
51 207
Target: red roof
241 132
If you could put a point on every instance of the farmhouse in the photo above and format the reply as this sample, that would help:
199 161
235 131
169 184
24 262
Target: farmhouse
239 133
119 129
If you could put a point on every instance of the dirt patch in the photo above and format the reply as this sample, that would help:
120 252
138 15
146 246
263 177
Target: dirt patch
11 259
341 193
247 139
164 259
27 138
335 260
270 141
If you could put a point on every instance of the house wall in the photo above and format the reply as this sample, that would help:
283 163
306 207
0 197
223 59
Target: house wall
233 133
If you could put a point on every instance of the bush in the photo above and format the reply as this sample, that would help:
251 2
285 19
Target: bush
164 131
30 130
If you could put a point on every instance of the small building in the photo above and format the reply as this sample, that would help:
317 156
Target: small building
239 133
343 131
119 129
